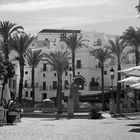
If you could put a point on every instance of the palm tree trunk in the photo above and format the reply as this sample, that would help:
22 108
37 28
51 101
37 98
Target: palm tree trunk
102 74
118 90
33 86
73 63
6 52
21 82
59 95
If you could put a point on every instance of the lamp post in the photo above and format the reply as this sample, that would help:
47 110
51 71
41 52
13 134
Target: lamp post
70 99
138 7
112 77
112 101
70 73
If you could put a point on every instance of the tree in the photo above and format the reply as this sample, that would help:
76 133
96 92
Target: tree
74 42
33 58
7 29
6 71
58 60
102 55
132 37
117 50
20 44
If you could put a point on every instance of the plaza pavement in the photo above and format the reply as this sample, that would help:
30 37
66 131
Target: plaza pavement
109 128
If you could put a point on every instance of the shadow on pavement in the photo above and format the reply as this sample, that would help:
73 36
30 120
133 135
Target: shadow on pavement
125 118
135 125
136 130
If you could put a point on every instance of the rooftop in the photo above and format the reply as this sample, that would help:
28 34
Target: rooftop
59 31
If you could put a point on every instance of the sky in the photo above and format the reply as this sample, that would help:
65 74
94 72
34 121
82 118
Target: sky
109 16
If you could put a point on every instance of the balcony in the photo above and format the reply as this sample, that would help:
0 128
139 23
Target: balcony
44 88
43 70
106 88
30 85
63 88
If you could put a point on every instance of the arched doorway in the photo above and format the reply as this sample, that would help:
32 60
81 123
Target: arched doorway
79 80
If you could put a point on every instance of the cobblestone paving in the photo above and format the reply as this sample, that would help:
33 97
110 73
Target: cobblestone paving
73 129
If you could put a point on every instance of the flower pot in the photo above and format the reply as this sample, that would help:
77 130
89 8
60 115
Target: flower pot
10 118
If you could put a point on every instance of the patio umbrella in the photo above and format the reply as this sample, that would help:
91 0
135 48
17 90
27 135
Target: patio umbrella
6 95
134 71
135 86
131 79
47 100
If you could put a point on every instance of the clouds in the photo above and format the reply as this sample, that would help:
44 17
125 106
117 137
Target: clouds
34 15
32 5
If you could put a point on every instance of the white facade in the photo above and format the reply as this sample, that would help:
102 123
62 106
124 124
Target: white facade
45 76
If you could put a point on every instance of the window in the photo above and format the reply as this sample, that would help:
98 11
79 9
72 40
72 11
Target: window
43 75
44 85
10 83
62 37
44 66
66 73
105 72
66 84
99 65
44 95
99 42
14 84
78 64
26 83
54 74
26 72
78 73
26 94
54 84
31 94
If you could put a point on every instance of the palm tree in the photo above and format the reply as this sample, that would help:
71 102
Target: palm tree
33 58
117 49
20 44
102 55
58 60
6 30
74 42
132 37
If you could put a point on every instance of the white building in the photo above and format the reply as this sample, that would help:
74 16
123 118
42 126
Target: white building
87 68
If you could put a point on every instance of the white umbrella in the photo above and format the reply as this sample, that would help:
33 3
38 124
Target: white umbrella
131 79
130 69
134 71
135 86
47 100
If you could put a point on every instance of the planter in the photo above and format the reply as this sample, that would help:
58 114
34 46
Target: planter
11 117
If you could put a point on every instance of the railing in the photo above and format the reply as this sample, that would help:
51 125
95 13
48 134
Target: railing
30 85
44 88
63 88
106 88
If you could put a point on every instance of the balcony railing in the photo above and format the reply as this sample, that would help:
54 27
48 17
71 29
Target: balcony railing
44 88
63 88
30 85
106 88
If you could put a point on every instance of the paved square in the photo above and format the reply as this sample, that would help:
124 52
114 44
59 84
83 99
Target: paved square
73 129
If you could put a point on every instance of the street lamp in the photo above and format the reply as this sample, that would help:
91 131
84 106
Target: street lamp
112 101
112 77
70 73
138 7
